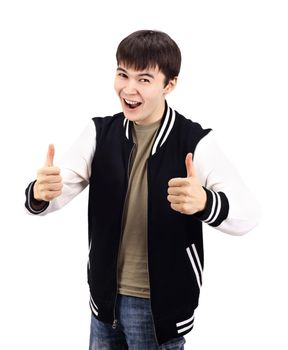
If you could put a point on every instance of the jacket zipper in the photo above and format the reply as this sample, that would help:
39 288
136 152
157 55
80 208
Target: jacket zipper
115 321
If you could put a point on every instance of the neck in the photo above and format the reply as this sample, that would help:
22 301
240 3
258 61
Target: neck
158 115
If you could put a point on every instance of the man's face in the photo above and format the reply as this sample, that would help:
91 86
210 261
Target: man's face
142 93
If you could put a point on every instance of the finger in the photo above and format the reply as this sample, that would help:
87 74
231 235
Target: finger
175 199
50 156
44 179
49 187
47 171
178 182
190 169
55 179
177 191
178 207
50 195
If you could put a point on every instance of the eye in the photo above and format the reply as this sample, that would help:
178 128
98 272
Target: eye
144 80
122 75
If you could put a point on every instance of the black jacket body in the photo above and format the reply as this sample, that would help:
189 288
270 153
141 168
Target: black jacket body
175 243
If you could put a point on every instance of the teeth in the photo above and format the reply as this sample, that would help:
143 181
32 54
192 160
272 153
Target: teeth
131 102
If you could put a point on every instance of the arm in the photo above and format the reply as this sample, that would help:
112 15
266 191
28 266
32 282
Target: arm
223 187
75 174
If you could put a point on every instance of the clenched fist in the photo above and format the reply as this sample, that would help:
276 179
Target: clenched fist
186 195
49 182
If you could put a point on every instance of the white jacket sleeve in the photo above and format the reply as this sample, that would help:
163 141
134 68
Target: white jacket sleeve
226 192
75 168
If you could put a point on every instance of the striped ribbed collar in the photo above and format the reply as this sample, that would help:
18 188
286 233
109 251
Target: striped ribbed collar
163 132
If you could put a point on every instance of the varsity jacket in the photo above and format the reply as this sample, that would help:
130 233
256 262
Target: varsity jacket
174 240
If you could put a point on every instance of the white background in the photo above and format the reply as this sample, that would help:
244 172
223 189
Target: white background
57 65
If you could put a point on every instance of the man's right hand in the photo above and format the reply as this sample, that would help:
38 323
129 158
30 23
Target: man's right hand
49 182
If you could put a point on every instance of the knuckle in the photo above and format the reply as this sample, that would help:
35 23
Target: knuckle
188 196
42 179
184 208
46 197
56 170
182 197
49 196
39 180
186 181
41 171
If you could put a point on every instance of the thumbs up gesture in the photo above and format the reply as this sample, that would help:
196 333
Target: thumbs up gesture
186 195
49 182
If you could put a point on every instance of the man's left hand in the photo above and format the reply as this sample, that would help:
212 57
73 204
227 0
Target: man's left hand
186 195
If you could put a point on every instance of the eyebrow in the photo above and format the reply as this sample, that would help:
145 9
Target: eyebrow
146 74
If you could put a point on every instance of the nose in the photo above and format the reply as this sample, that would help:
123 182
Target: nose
130 87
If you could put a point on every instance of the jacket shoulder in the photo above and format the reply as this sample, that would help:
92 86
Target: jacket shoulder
105 121
103 124
193 130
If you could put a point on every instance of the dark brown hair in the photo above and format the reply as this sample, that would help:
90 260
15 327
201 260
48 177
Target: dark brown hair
150 49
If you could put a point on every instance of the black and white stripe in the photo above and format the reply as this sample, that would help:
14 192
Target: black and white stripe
163 132
89 250
185 326
126 127
217 208
93 306
196 264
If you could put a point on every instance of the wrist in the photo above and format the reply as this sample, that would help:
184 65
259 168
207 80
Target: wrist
33 205
203 200
35 194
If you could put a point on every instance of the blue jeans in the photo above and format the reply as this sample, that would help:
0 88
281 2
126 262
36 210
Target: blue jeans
134 331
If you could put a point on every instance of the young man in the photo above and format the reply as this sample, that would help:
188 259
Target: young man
154 178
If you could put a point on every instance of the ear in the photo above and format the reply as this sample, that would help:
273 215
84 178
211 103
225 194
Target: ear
170 86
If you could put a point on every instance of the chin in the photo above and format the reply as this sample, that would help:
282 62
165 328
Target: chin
132 118
131 114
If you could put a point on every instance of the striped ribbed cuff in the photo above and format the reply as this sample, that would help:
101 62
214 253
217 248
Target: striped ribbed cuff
32 205
216 210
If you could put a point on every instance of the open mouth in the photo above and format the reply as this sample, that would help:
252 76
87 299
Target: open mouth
131 104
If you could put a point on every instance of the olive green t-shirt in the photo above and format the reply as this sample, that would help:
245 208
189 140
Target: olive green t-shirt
133 276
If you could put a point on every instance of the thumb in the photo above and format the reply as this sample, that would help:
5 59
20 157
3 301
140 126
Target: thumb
50 155
190 166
